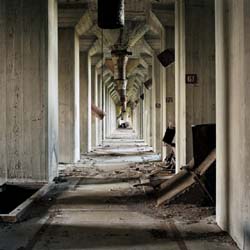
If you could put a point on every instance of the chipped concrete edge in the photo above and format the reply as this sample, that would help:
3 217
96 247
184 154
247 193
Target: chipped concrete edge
17 214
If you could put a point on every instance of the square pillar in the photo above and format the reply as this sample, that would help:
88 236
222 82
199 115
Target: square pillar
195 54
28 90
94 100
85 102
69 131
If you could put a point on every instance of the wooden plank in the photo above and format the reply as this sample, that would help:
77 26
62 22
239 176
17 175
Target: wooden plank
183 180
18 213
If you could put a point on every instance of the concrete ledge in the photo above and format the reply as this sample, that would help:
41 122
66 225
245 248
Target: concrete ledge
18 213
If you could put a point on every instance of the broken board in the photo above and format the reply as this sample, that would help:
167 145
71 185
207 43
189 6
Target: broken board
182 181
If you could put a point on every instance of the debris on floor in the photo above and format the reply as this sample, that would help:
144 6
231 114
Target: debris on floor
186 180
195 182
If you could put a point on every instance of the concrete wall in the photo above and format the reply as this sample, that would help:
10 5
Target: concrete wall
69 140
28 90
233 134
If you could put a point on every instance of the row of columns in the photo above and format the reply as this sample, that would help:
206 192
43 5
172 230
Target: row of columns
45 93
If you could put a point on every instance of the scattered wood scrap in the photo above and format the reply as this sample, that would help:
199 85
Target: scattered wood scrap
187 177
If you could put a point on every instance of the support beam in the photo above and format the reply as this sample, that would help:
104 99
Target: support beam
85 23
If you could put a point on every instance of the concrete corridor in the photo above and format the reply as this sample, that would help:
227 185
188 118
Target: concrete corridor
95 205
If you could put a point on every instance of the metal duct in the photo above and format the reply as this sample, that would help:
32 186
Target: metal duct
120 60
111 14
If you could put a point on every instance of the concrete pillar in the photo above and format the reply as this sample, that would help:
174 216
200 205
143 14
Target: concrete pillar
160 104
200 60
104 101
232 119
94 97
153 110
195 53
69 124
112 115
222 104
107 112
85 102
180 88
28 90
100 106
170 81
142 109
146 116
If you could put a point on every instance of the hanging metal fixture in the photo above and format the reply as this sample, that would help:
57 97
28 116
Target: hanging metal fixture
148 83
120 60
111 14
167 57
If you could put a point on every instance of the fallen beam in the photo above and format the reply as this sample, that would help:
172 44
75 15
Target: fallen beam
182 181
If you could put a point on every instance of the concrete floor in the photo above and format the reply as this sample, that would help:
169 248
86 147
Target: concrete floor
84 213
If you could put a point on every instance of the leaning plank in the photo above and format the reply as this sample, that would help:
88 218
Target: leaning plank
180 182
205 165
178 186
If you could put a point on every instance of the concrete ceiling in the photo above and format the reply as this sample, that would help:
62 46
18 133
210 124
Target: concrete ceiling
141 34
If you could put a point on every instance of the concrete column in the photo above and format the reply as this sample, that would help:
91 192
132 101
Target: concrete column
100 106
113 115
170 81
232 114
28 90
142 109
85 102
195 53
69 127
180 88
200 60
107 112
153 109
222 104
146 118
160 104
94 97
104 100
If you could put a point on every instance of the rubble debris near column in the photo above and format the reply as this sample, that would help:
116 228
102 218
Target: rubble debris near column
195 183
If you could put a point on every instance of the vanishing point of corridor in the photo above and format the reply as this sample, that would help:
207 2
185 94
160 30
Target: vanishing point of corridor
124 124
